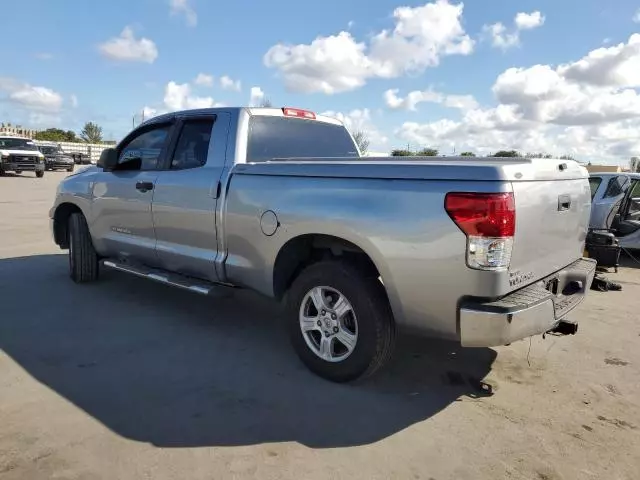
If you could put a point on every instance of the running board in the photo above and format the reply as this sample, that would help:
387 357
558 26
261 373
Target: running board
175 280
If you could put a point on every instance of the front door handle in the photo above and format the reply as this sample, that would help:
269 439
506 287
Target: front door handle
144 186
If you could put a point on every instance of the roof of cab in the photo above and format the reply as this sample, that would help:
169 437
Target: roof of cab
253 111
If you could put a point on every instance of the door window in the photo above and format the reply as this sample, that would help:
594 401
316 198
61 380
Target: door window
193 144
147 146
633 212
594 183
617 186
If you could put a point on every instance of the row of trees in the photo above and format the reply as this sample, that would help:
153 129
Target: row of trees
362 140
433 152
91 133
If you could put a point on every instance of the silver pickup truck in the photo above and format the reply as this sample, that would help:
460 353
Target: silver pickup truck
483 251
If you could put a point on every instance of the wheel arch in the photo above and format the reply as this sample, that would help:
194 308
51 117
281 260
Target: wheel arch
305 249
61 222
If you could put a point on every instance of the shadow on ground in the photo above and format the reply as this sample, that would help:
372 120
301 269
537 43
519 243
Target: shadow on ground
630 258
174 369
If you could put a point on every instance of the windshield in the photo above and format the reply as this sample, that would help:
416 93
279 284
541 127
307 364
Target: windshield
17 144
279 137
50 150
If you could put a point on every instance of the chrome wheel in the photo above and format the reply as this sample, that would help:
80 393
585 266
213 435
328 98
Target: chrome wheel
328 324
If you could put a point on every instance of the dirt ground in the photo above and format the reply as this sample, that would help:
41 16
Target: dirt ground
126 379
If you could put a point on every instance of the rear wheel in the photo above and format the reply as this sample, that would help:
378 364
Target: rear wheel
18 172
83 259
39 173
340 322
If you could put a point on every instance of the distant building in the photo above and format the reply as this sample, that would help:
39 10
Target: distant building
17 130
604 168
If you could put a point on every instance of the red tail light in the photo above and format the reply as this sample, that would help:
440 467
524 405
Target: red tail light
297 112
483 214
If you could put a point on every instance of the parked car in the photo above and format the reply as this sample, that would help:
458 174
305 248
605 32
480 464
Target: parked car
80 158
56 158
484 251
18 154
615 205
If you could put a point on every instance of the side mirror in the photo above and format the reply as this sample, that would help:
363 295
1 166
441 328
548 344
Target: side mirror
108 159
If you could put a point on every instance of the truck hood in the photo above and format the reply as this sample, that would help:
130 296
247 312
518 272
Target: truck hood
33 153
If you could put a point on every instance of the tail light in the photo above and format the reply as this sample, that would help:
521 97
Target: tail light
489 222
297 112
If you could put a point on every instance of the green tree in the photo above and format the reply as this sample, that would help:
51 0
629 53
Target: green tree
56 135
506 153
362 140
566 157
402 153
266 103
91 133
467 154
428 152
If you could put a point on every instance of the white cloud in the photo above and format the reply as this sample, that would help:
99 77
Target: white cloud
615 66
178 96
74 100
228 84
504 39
500 38
257 96
636 16
589 108
360 120
182 7
128 48
337 63
528 21
462 102
204 80
31 97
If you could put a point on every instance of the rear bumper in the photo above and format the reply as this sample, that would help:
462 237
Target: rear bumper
533 310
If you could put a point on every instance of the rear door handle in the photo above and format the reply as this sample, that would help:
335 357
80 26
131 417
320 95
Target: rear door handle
144 186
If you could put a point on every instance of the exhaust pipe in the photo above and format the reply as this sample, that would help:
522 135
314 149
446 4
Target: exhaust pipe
565 328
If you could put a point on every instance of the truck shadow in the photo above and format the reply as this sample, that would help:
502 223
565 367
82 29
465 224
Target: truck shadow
174 369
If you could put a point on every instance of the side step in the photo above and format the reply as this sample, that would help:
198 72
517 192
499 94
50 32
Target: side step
175 280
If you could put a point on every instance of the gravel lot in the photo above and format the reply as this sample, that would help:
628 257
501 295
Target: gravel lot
127 379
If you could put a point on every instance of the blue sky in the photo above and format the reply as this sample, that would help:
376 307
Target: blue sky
67 68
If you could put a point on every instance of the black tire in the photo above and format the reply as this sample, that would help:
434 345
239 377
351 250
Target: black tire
83 259
39 173
70 169
18 172
375 325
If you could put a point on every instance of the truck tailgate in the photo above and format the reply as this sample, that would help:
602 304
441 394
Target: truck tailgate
553 205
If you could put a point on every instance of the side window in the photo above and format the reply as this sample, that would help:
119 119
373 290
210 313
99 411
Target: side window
594 183
193 144
147 146
617 186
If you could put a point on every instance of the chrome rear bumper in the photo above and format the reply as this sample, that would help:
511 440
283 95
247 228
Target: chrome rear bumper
533 310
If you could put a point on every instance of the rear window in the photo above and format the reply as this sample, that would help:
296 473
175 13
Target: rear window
594 183
279 137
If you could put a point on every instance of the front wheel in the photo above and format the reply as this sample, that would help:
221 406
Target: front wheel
340 322
70 169
83 259
39 173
